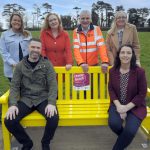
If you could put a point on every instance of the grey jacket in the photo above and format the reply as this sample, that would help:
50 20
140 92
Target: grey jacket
33 86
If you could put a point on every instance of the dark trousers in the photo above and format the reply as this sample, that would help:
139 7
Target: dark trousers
18 131
125 134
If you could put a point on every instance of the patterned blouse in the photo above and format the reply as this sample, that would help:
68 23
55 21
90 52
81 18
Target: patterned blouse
123 87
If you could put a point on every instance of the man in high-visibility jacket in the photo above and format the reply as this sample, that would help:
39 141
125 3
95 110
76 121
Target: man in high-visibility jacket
88 43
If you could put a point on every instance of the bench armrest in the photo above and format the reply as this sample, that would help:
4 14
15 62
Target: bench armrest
148 92
4 98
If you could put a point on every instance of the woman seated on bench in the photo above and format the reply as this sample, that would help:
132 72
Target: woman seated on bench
127 89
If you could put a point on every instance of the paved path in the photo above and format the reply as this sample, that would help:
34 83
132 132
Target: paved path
79 138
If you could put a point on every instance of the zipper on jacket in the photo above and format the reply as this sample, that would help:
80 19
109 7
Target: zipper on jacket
86 46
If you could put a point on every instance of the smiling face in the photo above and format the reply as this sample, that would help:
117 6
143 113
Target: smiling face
53 22
121 19
85 20
16 23
34 51
125 55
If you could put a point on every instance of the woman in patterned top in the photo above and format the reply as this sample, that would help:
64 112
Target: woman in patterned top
127 89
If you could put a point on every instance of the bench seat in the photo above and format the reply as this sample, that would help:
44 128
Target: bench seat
73 108
74 113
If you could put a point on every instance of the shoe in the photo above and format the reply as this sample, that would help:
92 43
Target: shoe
27 147
45 147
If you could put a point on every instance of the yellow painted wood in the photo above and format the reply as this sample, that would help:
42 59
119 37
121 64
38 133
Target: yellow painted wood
76 108
88 92
148 92
95 85
67 86
74 92
81 94
60 86
102 89
107 87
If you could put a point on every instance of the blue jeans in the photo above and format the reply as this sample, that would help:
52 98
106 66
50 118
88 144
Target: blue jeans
125 134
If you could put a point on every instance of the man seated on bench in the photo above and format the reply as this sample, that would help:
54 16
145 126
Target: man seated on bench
33 87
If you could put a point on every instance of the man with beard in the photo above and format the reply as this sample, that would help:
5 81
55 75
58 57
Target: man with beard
33 87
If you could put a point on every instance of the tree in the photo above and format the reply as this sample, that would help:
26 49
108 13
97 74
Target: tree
138 16
66 22
119 8
11 8
143 13
1 28
148 22
36 14
95 17
102 9
48 8
109 14
77 14
133 17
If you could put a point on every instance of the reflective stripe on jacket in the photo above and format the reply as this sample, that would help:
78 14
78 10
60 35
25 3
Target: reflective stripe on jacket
87 46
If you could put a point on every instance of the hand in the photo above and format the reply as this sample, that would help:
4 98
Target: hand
104 67
12 112
50 110
122 109
85 67
14 65
68 67
123 116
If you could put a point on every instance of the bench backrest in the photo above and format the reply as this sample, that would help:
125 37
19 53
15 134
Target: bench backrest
98 84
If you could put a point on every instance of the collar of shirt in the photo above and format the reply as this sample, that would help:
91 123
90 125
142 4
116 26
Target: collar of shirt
11 33
119 30
85 31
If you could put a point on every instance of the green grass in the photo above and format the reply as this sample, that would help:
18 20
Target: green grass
145 57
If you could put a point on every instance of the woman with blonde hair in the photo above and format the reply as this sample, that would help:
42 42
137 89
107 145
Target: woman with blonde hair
122 33
55 42
14 44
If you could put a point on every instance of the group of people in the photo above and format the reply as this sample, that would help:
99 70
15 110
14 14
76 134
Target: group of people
28 64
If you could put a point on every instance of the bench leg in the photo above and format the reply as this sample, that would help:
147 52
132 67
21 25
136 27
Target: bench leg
6 137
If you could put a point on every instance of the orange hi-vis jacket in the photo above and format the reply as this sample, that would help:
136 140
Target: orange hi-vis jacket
88 46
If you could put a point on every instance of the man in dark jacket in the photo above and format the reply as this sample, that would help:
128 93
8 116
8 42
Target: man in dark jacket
33 87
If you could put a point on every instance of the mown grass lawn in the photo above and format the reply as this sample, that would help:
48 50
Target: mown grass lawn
145 57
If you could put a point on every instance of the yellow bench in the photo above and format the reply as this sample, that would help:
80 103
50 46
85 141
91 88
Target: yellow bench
146 123
75 109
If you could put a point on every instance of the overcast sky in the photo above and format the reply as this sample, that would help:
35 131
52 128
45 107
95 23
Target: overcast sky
65 7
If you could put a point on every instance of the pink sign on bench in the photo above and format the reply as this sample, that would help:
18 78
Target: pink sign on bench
81 81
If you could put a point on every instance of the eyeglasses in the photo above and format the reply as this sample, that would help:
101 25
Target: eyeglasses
121 17
85 18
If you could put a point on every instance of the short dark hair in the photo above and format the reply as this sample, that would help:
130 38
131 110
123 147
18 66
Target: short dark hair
35 39
117 63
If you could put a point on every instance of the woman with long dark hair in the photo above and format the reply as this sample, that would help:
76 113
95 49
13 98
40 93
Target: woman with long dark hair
127 89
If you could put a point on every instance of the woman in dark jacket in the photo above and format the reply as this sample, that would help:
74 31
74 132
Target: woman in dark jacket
127 89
